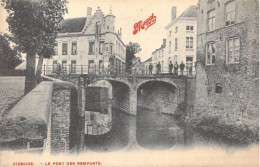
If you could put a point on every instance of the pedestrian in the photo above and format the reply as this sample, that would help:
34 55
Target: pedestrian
182 66
176 66
190 71
58 69
150 69
159 68
170 67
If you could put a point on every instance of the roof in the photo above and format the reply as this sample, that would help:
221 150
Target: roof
150 59
162 47
73 25
21 66
189 12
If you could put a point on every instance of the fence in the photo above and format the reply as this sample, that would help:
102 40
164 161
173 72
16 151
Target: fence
85 69
81 69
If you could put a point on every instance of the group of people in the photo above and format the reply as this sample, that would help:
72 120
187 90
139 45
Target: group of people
171 67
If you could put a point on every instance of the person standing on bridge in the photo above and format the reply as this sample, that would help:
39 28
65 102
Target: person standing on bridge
182 66
170 67
150 69
176 66
158 66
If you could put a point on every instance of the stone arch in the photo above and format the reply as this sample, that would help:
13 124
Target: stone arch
153 80
159 97
124 97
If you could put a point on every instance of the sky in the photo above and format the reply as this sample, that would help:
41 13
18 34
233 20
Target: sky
127 12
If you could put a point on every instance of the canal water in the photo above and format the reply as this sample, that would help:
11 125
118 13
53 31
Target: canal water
148 130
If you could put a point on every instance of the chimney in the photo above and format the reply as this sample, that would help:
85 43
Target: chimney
164 42
174 9
89 10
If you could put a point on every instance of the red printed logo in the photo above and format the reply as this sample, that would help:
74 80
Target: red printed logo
144 24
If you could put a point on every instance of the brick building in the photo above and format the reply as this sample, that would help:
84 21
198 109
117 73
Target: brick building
227 66
89 45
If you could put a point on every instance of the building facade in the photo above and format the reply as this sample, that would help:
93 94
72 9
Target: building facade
181 38
158 56
227 77
146 65
89 45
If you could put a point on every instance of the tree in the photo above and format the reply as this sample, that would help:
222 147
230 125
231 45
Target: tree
34 25
131 50
9 58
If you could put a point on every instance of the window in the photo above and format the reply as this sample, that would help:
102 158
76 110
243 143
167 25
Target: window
111 49
56 48
210 53
175 59
91 48
74 48
64 48
162 52
176 29
98 28
73 66
107 27
230 12
55 64
101 47
218 88
107 48
176 43
170 33
233 49
189 42
92 117
189 62
170 45
211 20
189 28
64 65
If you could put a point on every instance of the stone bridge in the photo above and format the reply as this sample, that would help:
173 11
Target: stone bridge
126 87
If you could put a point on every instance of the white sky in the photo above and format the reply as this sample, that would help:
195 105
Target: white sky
127 13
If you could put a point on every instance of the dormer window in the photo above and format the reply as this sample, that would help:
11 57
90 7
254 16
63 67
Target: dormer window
98 28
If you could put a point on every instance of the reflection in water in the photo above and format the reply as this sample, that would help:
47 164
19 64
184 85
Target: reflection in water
158 131
99 122
108 129
116 139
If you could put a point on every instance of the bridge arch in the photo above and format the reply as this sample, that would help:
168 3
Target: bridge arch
159 95
123 95
155 80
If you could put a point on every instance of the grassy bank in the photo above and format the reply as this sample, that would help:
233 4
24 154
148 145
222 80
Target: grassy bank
215 127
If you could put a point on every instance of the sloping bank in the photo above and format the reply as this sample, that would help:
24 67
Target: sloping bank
216 128
41 121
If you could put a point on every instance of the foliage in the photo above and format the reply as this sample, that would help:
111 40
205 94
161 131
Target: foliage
213 126
9 58
131 50
34 24
181 109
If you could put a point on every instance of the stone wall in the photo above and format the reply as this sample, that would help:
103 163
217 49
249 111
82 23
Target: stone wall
239 98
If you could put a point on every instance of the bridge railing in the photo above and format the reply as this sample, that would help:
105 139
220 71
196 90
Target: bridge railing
85 69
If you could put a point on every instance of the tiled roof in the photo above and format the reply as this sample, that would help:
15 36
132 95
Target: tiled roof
190 12
73 25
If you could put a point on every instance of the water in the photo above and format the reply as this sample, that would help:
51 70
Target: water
148 130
